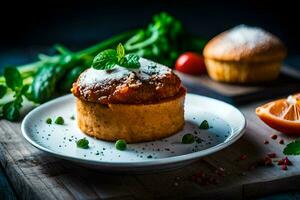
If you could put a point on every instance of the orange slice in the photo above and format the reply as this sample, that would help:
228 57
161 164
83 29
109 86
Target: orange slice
282 115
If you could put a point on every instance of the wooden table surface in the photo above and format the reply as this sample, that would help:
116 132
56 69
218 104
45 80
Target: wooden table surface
34 174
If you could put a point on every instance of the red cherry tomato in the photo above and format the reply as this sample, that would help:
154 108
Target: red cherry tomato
190 63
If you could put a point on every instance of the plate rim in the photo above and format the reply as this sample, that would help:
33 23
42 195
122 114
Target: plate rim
145 163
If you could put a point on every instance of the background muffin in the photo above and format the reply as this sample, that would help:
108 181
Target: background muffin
244 54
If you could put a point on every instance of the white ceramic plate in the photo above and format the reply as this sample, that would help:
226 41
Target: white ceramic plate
227 124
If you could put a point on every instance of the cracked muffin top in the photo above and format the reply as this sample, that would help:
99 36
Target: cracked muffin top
245 44
151 83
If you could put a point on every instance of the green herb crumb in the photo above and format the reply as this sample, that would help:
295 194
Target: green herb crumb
121 145
204 125
72 117
59 120
49 121
188 139
83 143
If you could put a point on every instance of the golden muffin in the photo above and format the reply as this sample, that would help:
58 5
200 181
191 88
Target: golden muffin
244 55
135 105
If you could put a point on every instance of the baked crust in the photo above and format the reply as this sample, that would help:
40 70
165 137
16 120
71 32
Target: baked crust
242 72
132 122
150 83
245 44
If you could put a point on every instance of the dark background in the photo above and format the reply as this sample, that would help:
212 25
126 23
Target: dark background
30 27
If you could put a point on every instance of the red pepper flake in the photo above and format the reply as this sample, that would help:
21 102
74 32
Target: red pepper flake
284 167
251 167
210 179
200 174
220 171
281 141
280 162
243 174
194 178
217 181
267 161
203 179
272 155
266 142
243 157
284 161
274 136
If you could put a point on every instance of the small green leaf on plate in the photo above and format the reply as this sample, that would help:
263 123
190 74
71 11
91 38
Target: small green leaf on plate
83 143
204 125
49 121
188 139
121 145
59 120
292 148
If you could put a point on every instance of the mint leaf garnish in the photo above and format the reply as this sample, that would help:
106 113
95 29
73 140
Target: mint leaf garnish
131 61
120 51
107 59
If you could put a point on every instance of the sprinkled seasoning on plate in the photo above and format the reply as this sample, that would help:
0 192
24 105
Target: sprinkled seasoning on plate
100 151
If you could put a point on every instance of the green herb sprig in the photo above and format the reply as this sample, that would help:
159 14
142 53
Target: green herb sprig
3 90
162 40
109 58
14 82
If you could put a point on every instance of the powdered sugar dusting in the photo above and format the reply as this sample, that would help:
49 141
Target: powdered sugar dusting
243 35
92 77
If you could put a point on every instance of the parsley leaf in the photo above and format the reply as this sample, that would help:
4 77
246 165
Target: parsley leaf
11 110
83 143
292 148
13 78
14 81
107 59
2 91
